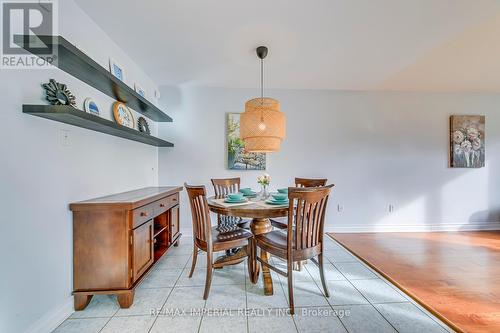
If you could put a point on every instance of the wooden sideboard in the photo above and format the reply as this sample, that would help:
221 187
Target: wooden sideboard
118 238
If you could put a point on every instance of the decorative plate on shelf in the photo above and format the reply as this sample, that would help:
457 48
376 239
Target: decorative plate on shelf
90 106
58 93
123 115
143 125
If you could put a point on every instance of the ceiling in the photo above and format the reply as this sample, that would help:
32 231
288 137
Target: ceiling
424 45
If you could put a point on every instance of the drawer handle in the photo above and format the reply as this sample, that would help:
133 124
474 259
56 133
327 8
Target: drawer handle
174 199
162 205
144 214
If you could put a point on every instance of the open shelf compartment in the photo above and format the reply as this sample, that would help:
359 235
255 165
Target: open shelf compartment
161 238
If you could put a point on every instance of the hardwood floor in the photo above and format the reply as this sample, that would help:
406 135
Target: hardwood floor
455 275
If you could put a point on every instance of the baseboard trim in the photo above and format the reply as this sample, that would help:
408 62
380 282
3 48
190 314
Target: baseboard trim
52 319
415 228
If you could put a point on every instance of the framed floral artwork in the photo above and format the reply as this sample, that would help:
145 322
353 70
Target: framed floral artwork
237 157
467 141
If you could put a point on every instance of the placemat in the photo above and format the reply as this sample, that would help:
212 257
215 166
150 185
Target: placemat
225 204
264 204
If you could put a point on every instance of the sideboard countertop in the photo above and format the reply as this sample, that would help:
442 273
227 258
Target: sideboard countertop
126 200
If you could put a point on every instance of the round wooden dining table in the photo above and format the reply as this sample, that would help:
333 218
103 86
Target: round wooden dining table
260 213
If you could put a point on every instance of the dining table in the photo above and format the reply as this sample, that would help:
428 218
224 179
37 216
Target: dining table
259 212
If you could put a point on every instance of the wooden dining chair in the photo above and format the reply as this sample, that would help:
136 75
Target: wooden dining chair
222 187
281 223
303 241
209 239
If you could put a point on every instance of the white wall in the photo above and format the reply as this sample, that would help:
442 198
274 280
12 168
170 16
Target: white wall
378 148
39 178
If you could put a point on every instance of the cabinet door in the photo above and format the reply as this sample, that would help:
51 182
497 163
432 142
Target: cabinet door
143 255
174 221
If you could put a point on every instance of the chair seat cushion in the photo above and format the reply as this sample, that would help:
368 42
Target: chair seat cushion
233 235
274 239
227 240
275 242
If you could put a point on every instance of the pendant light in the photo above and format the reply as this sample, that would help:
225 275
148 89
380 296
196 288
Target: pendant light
262 125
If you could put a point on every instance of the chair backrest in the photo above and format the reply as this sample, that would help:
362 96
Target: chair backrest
200 213
305 182
307 216
224 186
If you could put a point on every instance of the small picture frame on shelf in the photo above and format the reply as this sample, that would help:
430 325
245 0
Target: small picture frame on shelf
138 89
116 69
90 106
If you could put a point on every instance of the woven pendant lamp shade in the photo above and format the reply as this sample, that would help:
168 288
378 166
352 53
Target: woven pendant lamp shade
259 138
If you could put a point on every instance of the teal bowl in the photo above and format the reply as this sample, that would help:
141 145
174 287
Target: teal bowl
283 190
235 196
280 196
246 190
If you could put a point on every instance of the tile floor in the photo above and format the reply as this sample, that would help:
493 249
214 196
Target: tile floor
168 301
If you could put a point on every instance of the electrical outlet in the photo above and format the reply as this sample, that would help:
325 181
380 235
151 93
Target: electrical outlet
64 137
391 208
340 208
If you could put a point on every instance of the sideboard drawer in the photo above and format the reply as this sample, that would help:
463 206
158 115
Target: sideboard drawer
161 206
142 214
173 199
166 203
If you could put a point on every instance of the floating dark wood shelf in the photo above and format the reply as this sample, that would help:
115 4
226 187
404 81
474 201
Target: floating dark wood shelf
78 64
69 115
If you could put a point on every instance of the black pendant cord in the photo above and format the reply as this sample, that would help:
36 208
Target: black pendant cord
262 90
262 53
262 81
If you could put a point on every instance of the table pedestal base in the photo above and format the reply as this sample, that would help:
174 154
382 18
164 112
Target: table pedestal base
233 259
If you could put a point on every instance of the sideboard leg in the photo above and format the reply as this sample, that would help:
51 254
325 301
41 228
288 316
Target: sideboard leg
125 300
177 243
81 301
